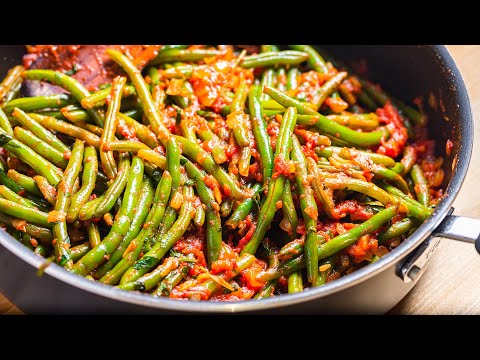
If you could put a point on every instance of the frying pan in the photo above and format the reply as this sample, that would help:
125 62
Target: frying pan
406 72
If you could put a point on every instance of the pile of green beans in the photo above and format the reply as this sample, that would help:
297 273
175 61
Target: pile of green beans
213 173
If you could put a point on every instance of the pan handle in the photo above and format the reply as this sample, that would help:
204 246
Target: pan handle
460 228
452 227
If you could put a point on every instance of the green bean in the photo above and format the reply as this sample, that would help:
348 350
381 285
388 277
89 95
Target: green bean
12 76
74 114
188 131
152 222
39 131
171 280
242 210
275 187
143 93
5 123
315 61
226 207
56 114
79 251
173 163
151 279
168 221
291 249
282 269
87 209
205 160
68 129
77 90
94 130
268 48
153 157
12 185
292 82
383 173
244 161
419 118
99 98
183 101
40 147
13 196
409 159
375 92
64 194
420 185
329 87
140 214
366 122
41 233
399 228
42 249
93 235
366 101
281 76
259 129
328 151
89 178
331 247
108 162
175 55
287 57
13 92
295 282
414 208
199 217
48 191
120 227
156 253
206 134
179 72
143 133
124 145
214 225
288 208
325 125
350 237
268 74
237 120
381 98
399 168
35 103
26 240
243 262
113 193
309 210
30 157
323 275
269 288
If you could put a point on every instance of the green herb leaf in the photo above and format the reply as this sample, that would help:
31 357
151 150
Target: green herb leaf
64 259
146 262
73 70
4 139
189 182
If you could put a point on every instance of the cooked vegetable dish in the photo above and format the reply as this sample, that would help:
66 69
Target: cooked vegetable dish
208 172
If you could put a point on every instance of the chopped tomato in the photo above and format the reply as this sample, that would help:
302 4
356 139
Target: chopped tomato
398 133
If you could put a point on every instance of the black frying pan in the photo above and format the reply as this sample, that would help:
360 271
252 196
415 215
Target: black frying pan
406 72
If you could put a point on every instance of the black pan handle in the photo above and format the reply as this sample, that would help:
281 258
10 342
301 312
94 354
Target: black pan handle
452 227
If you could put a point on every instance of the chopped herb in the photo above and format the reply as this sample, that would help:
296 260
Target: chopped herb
145 263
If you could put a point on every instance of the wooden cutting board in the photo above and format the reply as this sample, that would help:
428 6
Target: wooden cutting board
451 284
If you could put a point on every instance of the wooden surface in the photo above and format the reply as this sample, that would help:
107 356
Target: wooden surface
451 284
